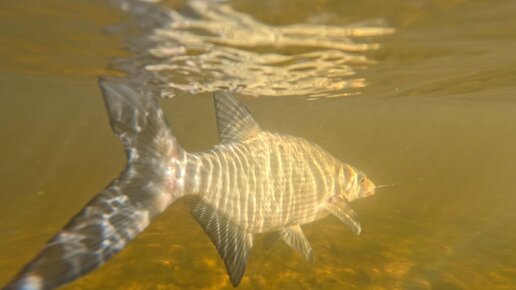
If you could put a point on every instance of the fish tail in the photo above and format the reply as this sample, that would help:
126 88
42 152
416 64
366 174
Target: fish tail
150 182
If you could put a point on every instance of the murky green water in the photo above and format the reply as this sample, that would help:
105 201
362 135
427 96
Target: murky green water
434 111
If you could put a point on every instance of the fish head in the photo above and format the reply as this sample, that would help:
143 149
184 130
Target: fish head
365 187
354 184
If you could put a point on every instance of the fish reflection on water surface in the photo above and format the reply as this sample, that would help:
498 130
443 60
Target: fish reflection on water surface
253 182
206 46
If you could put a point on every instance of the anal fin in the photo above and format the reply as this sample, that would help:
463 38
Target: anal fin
232 242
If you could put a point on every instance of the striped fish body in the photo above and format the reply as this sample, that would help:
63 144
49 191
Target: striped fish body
266 182
257 181
253 182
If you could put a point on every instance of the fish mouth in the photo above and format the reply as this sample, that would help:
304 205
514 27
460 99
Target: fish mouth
369 188
369 193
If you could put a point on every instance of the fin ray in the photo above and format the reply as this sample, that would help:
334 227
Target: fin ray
341 209
295 238
234 121
232 242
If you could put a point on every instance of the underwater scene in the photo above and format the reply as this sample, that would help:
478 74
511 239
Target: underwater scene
418 97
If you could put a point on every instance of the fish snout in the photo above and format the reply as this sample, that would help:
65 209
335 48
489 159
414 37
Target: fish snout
368 187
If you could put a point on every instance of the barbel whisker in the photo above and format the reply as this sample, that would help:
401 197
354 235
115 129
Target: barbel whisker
385 185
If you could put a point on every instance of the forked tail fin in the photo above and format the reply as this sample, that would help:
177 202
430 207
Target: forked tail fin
150 182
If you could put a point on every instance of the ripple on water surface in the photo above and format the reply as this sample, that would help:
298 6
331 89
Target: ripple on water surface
205 46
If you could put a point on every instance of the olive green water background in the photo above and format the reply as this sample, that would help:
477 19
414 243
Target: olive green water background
437 117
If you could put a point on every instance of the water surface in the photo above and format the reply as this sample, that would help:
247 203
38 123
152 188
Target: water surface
433 110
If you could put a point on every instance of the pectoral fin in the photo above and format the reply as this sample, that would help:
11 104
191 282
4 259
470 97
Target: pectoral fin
341 209
233 243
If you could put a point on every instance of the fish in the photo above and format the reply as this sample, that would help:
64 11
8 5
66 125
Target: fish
253 182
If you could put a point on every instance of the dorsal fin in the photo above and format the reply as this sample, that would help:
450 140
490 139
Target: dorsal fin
233 119
232 242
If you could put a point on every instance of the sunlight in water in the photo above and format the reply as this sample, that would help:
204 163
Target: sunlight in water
220 48
433 125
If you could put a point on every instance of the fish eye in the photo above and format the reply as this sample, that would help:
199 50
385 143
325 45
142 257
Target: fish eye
362 181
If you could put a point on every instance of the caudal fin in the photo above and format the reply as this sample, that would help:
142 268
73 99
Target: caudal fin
149 183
